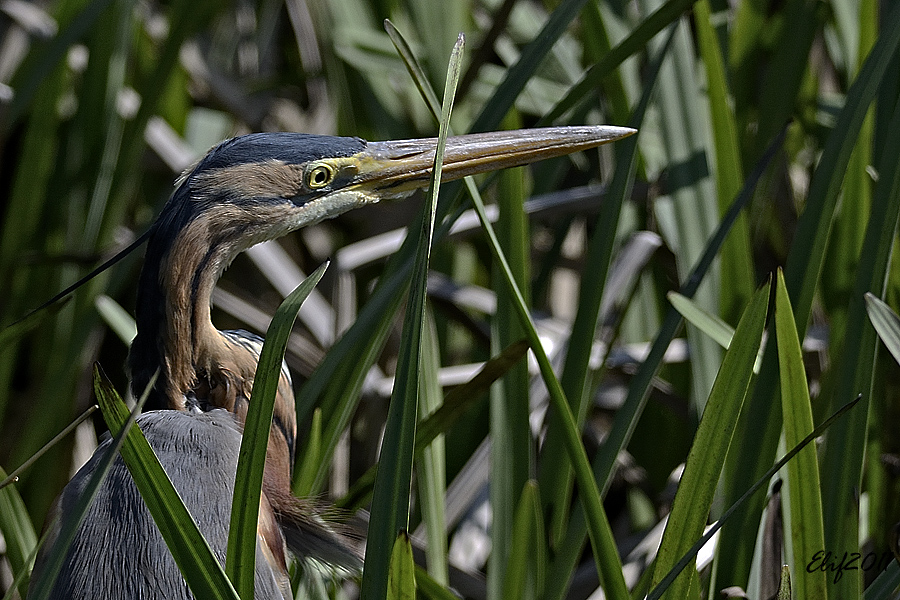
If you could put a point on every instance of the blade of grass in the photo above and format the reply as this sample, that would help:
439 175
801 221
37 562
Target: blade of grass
430 462
17 529
199 566
455 404
886 323
843 460
512 448
555 473
606 556
309 461
240 564
524 574
390 504
737 262
402 574
749 493
709 324
697 486
804 512
639 390
67 530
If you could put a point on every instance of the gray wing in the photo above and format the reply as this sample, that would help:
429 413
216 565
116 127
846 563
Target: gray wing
118 552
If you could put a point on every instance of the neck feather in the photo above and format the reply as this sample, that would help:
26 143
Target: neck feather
175 332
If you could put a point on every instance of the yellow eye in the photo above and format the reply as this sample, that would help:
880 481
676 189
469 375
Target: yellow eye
319 176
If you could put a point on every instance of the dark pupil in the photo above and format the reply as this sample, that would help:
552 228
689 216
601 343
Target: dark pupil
320 176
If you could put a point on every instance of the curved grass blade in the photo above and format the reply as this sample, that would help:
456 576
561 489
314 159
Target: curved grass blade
240 564
886 323
192 554
804 486
710 324
390 504
711 442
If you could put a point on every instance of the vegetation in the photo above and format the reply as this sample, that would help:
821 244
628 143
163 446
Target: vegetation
761 193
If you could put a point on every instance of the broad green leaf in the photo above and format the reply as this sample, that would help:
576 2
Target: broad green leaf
390 503
243 532
804 487
711 442
689 556
524 573
708 323
886 323
431 472
55 555
191 552
845 448
402 574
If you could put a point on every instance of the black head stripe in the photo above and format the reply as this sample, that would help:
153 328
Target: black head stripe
291 148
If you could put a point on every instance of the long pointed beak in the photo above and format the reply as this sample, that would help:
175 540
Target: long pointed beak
396 167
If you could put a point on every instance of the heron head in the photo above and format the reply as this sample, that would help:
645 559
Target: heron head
261 186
